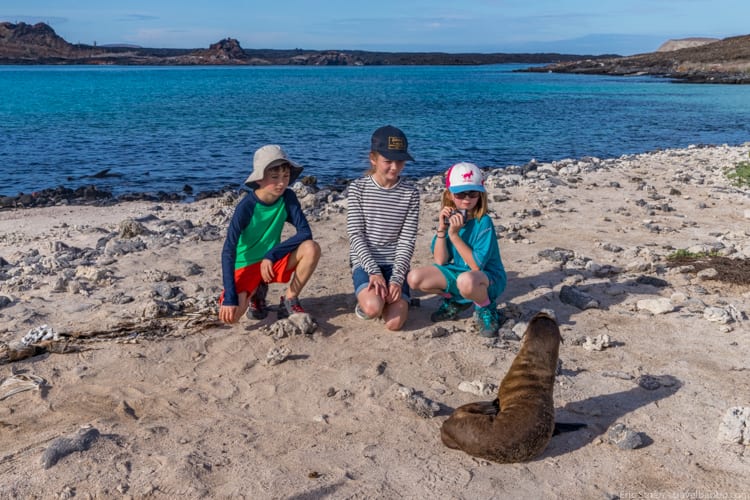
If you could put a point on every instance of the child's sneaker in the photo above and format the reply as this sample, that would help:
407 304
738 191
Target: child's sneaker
258 308
449 309
487 320
360 313
287 307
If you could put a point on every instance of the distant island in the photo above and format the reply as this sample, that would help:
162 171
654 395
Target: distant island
39 44
696 60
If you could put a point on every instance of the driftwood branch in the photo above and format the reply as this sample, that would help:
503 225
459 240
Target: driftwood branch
78 340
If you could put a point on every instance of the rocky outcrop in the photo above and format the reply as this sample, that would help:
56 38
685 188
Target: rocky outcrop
328 58
684 43
224 51
724 61
24 40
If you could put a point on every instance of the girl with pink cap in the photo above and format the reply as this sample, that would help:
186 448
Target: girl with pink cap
468 268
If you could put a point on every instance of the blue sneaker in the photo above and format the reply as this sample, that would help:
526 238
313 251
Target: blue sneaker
449 309
487 320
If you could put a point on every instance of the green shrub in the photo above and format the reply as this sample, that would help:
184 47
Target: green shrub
682 254
740 176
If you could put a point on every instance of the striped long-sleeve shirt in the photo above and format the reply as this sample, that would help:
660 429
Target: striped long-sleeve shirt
382 226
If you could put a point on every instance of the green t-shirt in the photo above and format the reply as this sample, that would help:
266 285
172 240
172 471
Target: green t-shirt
262 234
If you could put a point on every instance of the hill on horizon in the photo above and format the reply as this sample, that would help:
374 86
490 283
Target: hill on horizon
682 43
720 61
39 44
695 60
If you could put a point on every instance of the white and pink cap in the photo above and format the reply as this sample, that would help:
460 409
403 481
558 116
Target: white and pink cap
464 176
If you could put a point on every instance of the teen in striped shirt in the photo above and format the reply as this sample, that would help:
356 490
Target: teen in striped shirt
382 219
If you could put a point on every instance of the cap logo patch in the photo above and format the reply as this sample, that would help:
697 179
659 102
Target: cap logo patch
468 175
396 143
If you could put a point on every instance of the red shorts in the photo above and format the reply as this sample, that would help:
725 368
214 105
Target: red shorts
247 279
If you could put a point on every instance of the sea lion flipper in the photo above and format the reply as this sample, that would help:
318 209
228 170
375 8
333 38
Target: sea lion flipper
481 407
468 426
561 427
448 440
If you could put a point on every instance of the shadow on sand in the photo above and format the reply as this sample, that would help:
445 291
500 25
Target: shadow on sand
607 408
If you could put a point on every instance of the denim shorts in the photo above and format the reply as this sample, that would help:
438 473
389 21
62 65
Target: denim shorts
361 280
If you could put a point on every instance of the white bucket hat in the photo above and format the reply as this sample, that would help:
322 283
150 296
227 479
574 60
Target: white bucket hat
271 155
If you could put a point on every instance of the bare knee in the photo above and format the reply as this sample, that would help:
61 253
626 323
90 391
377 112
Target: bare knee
412 280
395 315
309 249
422 278
471 283
371 304
464 283
395 324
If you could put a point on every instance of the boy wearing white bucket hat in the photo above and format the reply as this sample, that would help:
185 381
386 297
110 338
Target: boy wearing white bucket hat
254 255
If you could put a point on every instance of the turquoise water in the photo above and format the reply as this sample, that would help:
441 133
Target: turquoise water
160 128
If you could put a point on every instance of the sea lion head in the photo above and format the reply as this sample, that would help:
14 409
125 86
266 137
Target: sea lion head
544 334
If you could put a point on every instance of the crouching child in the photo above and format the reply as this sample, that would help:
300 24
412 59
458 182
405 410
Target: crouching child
254 255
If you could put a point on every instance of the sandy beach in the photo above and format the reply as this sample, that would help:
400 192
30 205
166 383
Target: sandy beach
137 391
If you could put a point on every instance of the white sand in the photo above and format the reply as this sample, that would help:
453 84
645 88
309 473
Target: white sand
194 411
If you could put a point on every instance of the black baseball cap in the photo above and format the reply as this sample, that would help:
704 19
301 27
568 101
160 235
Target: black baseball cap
391 143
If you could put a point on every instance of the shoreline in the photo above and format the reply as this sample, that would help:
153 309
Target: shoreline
182 405
89 194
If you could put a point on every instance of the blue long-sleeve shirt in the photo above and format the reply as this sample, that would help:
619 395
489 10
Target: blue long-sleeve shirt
254 234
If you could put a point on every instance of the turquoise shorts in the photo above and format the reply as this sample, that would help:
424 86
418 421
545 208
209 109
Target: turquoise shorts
451 273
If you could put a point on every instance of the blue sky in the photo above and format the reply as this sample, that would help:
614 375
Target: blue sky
568 26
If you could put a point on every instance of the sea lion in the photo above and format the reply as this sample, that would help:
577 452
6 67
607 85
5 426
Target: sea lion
518 425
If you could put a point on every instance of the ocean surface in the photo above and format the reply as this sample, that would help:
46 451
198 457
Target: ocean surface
161 128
